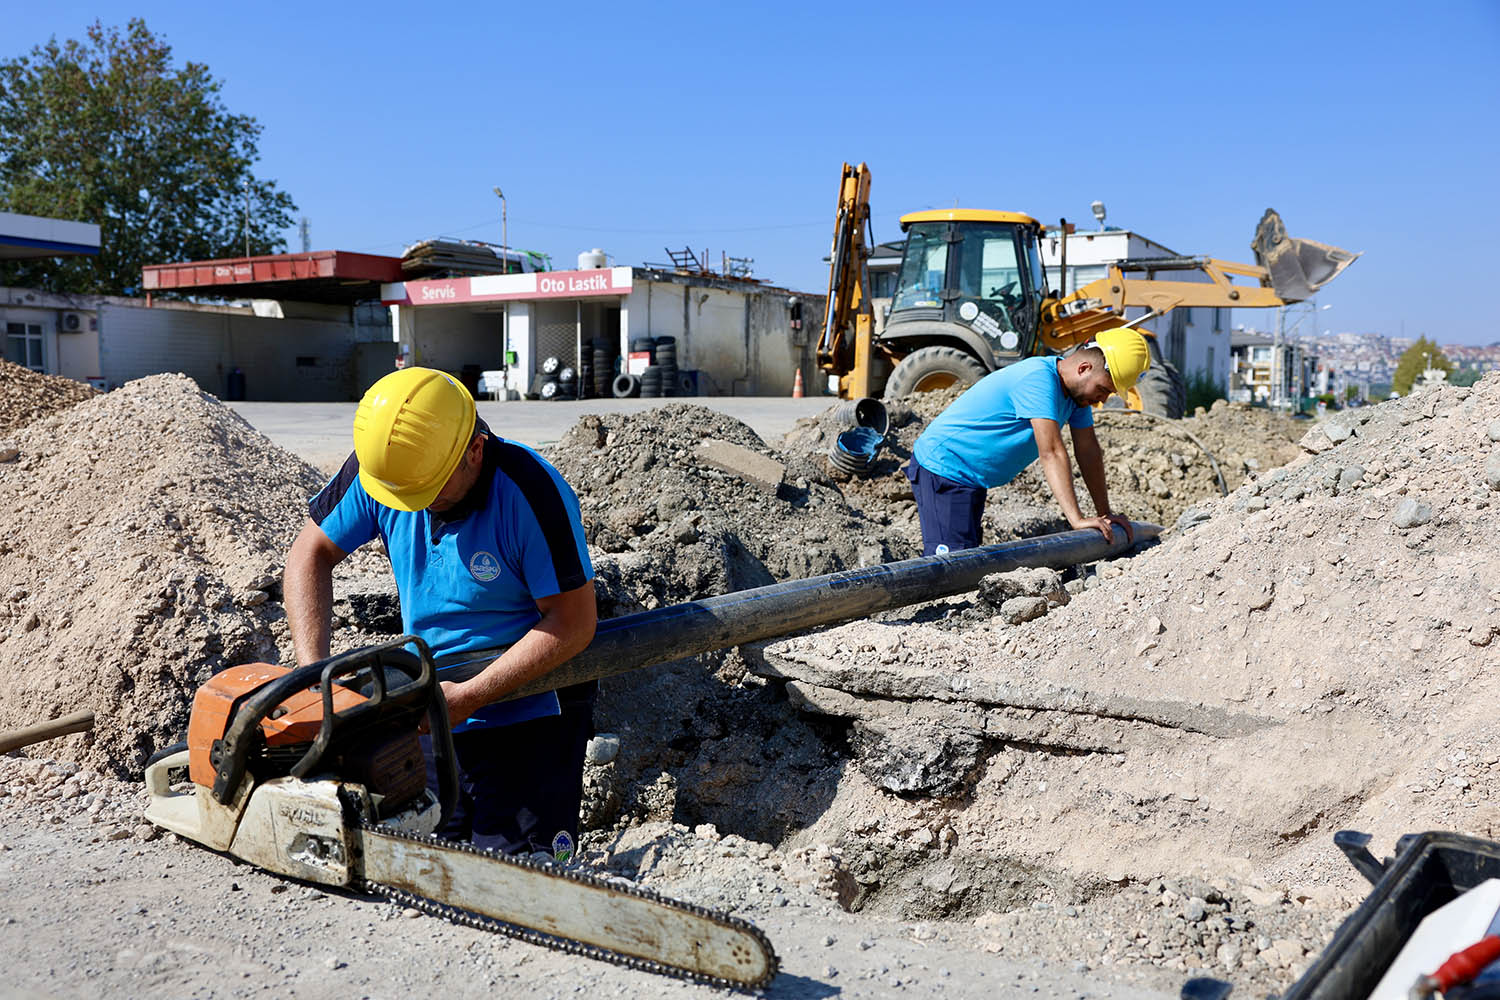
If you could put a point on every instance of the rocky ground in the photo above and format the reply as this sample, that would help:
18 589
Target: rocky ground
1091 783
29 396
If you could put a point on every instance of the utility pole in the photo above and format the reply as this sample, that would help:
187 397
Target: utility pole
247 216
1277 368
504 236
306 236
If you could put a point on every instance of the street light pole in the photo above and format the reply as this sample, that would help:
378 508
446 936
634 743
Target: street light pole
504 236
1278 369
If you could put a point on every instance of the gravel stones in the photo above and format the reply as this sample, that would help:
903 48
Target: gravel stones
1411 513
27 396
137 521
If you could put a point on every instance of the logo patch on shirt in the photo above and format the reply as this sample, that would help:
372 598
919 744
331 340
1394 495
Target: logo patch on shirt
484 567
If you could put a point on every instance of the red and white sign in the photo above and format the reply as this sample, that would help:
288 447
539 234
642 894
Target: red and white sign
503 287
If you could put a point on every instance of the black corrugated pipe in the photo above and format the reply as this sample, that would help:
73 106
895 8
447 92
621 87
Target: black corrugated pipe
682 630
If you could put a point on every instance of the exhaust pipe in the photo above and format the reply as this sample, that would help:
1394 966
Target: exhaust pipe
671 633
1298 268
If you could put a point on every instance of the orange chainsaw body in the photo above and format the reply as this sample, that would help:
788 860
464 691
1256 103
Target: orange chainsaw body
295 721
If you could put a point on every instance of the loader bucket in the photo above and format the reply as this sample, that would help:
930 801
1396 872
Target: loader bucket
1298 268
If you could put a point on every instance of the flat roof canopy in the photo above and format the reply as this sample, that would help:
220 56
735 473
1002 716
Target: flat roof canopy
24 236
332 276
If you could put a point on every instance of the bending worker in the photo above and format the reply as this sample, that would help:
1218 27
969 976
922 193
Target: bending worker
487 548
1008 419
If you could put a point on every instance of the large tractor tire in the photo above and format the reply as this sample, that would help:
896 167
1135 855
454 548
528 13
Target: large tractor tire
1162 390
929 369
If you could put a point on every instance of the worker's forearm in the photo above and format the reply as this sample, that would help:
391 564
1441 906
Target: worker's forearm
307 592
1091 467
1059 473
535 654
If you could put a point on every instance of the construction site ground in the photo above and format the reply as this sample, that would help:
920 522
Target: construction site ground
1089 783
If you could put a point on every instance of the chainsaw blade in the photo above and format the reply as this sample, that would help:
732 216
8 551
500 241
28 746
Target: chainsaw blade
564 909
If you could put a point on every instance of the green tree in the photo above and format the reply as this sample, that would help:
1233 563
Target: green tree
1465 377
107 130
1412 363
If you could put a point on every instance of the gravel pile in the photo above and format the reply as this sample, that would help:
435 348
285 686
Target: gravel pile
1155 468
1159 724
142 549
671 528
26 396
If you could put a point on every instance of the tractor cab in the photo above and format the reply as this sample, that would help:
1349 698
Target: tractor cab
971 274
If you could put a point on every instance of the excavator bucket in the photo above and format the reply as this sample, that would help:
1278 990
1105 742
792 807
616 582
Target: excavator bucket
1298 268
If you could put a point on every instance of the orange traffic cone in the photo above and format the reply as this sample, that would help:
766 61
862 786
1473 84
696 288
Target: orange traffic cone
797 385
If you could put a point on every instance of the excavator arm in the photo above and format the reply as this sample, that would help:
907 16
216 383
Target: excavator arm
846 346
1287 271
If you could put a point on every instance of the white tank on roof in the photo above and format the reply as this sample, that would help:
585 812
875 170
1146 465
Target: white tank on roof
591 260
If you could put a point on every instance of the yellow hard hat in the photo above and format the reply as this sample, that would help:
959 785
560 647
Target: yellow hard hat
410 431
1125 355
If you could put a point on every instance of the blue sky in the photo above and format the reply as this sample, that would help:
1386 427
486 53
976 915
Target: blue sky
636 127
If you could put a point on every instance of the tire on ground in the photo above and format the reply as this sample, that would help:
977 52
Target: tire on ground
1162 390
928 369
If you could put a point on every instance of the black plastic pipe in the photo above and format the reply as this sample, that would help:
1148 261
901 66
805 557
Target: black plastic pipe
682 630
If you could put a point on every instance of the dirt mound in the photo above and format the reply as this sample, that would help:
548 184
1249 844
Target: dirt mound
1156 468
1215 708
145 533
701 739
26 396
676 527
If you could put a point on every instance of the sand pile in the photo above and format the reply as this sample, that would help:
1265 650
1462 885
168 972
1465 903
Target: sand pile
26 395
1314 652
145 533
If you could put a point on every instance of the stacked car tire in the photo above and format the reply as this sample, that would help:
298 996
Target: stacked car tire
664 357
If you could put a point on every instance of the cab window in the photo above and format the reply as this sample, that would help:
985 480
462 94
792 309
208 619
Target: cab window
923 268
990 272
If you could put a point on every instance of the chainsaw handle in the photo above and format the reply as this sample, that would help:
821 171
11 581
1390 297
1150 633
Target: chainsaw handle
233 749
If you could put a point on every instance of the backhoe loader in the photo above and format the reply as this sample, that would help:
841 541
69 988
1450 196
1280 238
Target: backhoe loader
972 296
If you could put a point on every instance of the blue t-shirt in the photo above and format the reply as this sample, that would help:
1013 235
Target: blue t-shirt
985 439
469 578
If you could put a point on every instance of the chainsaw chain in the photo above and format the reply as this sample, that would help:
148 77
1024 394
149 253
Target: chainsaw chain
568 946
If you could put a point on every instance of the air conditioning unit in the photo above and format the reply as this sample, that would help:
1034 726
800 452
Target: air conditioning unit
72 322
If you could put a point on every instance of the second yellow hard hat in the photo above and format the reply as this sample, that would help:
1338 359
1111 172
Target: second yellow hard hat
1126 355
410 431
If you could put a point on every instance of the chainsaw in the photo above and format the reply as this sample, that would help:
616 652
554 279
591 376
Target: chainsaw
317 773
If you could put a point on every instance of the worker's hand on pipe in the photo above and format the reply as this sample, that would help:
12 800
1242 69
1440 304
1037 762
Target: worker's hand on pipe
1103 525
1121 521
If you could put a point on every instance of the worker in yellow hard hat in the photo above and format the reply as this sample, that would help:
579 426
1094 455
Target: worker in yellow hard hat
1013 417
487 547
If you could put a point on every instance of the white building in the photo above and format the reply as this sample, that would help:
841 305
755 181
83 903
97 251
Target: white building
1195 339
733 337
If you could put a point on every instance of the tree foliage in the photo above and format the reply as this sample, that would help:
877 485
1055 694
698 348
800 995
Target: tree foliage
1409 368
107 130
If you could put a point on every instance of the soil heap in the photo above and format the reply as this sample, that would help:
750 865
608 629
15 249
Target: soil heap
1313 652
1155 468
26 396
145 535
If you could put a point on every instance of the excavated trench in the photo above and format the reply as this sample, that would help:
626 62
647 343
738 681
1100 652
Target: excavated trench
1188 726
